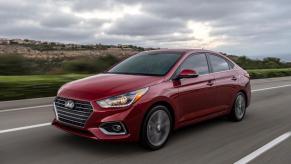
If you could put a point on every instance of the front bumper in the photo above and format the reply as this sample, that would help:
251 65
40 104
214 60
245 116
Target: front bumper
131 119
93 133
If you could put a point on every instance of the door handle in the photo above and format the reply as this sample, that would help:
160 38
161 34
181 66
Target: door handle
233 78
210 83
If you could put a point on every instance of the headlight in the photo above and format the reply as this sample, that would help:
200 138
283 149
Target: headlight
123 100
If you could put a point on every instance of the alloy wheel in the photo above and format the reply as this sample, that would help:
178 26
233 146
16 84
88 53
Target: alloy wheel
240 106
158 128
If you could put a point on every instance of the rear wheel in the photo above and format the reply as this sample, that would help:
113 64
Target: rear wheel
239 108
156 128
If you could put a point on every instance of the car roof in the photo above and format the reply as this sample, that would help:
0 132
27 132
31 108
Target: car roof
184 51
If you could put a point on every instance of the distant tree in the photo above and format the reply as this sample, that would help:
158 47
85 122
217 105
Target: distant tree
272 62
269 62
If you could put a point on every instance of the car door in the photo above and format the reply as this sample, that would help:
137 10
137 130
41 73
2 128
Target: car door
225 80
196 95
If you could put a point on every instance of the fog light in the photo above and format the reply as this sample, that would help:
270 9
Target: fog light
116 128
113 128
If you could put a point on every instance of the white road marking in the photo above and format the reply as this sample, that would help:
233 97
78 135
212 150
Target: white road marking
264 89
24 128
263 149
24 108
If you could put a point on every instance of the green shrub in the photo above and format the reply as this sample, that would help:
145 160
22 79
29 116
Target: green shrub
89 65
13 64
267 73
79 66
266 63
33 86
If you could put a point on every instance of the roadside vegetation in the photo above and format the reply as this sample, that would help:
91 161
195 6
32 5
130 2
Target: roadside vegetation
267 73
15 64
33 86
266 63
22 78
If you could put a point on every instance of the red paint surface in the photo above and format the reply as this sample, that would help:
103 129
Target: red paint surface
191 99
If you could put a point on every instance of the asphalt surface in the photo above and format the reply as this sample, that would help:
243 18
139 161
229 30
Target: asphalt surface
215 141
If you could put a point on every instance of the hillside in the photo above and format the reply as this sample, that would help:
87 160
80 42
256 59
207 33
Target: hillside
54 50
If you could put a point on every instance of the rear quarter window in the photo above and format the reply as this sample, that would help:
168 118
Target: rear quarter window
218 63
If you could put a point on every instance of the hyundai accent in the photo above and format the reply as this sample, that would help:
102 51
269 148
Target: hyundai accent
150 94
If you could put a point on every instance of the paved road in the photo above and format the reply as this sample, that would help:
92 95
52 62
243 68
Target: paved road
215 141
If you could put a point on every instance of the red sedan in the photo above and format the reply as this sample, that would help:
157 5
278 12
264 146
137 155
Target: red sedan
147 96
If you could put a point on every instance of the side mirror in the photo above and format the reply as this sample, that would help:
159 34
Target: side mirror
187 73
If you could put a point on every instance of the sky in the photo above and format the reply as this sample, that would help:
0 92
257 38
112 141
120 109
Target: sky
242 27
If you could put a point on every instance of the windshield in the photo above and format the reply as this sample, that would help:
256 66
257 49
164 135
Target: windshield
147 63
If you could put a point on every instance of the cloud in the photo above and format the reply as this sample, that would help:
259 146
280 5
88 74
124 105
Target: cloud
239 27
59 20
145 25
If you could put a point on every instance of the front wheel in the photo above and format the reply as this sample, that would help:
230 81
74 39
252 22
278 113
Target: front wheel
156 128
239 108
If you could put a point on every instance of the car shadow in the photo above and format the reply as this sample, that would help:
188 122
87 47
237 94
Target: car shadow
198 127
90 145
121 148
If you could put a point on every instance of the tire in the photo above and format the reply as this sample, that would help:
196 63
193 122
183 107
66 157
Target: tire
239 108
156 128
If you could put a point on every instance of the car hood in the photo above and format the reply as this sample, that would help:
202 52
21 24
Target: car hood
105 85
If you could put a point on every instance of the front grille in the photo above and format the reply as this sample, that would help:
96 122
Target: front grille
76 116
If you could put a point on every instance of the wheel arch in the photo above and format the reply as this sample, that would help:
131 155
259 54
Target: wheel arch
170 108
